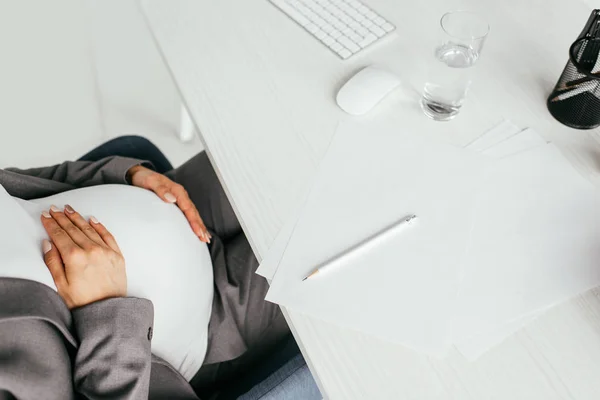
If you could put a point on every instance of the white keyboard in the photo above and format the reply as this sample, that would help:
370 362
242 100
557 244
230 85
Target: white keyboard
344 26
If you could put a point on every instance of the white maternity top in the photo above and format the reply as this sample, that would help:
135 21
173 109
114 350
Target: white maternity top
166 263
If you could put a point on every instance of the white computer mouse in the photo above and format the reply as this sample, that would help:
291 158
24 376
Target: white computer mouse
365 90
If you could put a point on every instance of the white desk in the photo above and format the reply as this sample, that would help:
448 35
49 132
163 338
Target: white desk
261 92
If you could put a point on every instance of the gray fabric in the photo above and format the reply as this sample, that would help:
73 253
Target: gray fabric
39 339
113 358
167 383
293 381
241 320
45 181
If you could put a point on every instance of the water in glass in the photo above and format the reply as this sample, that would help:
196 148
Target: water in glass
448 81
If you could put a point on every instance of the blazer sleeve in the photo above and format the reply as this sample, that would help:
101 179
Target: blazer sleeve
86 173
113 360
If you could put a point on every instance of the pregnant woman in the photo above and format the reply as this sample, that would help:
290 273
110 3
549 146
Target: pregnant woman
115 291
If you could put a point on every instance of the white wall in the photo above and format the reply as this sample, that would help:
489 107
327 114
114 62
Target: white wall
48 103
76 73
136 90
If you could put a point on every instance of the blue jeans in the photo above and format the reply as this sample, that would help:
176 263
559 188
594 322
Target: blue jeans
131 146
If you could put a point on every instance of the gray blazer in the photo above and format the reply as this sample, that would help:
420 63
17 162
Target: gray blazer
100 351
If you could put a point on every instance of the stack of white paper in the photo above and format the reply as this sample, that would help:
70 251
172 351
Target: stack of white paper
501 236
370 177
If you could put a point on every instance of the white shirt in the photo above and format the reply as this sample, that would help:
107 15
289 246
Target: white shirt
165 261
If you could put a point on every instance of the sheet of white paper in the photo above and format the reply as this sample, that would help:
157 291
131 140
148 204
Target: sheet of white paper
473 347
270 263
268 266
535 241
403 292
500 136
476 346
522 141
497 134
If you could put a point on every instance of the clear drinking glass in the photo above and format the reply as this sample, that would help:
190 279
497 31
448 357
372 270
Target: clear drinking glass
462 36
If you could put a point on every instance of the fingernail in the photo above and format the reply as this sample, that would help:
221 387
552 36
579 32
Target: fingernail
170 198
46 214
94 220
46 246
69 209
54 208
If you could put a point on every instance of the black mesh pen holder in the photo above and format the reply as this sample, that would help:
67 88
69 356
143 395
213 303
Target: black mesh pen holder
575 100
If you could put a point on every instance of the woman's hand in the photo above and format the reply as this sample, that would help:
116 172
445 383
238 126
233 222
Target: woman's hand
170 192
83 258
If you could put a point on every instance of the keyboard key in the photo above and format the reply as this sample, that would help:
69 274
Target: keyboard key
335 34
377 30
318 10
302 9
339 25
318 21
362 31
344 53
355 38
310 15
328 40
312 28
336 12
319 34
370 38
345 7
345 19
371 15
354 25
327 29
379 21
359 17
347 31
367 23
329 17
334 20
352 13
330 7
387 27
349 44
335 46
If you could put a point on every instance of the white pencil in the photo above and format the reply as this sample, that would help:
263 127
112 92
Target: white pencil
363 246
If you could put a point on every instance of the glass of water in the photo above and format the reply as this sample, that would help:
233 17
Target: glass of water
462 36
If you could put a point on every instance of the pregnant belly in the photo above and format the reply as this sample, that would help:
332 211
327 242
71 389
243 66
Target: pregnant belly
166 263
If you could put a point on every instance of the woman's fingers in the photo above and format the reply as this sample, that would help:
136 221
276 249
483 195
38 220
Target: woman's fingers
54 263
156 182
170 192
191 213
106 236
73 231
83 225
59 237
